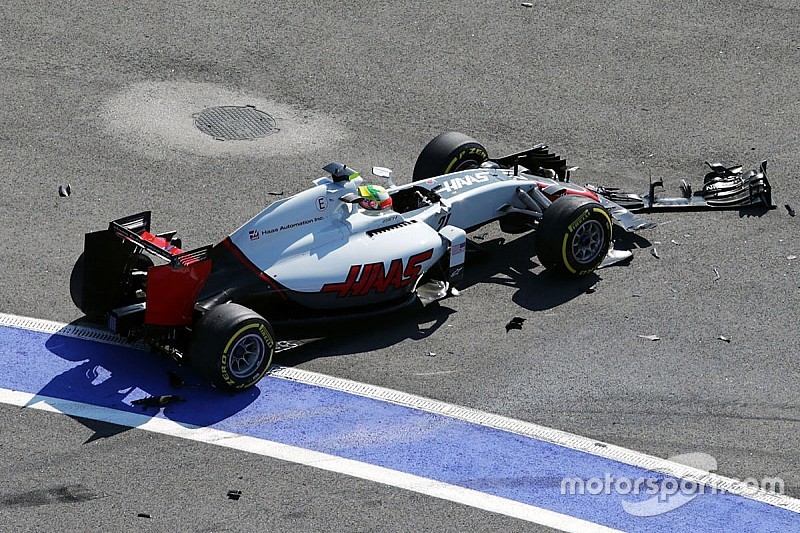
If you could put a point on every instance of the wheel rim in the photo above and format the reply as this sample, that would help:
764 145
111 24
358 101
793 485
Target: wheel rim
246 355
466 165
588 241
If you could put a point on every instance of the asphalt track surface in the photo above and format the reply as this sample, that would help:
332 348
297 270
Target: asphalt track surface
98 97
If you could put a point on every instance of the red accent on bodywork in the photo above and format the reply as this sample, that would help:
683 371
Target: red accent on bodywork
237 253
576 191
344 288
587 193
171 293
361 279
161 242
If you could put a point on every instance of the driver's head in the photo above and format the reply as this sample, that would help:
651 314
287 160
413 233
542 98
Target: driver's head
374 198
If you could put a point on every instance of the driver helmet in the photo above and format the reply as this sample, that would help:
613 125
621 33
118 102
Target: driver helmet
374 198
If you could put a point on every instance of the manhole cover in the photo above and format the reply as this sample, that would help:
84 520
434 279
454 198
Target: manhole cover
235 123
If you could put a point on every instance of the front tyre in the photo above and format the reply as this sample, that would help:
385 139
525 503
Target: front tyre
232 347
449 152
573 236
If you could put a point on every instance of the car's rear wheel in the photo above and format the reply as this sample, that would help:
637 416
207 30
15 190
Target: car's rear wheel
232 347
573 236
449 152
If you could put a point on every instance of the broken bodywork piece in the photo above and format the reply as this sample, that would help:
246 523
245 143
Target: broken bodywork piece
515 323
614 257
157 401
723 188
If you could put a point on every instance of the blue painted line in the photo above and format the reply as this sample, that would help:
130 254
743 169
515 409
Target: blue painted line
367 430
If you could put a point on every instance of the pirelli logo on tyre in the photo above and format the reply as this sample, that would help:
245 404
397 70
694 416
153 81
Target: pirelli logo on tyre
577 222
266 336
471 153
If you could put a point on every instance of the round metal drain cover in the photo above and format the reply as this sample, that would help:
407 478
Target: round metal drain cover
235 123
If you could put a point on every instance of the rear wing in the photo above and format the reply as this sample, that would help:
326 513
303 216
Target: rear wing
136 229
114 279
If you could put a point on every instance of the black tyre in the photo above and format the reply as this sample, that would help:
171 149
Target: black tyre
573 236
76 282
232 347
449 152
115 289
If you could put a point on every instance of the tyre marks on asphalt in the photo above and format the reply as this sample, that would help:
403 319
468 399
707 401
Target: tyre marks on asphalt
72 493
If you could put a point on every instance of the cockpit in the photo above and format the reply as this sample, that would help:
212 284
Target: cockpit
413 198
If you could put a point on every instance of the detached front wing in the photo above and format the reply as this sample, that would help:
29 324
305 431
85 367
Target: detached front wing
723 188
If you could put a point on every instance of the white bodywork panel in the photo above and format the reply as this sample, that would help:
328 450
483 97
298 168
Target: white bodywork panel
328 252
314 238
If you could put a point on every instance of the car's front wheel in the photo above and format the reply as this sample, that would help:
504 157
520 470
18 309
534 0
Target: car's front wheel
573 236
232 347
449 152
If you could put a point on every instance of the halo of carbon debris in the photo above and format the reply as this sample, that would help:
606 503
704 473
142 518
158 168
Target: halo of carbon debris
235 123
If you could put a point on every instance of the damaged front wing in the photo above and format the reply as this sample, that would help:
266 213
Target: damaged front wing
723 188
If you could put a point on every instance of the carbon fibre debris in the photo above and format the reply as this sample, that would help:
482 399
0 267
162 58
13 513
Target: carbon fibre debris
515 323
157 401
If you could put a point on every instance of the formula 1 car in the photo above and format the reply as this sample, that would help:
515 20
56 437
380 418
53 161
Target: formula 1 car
324 253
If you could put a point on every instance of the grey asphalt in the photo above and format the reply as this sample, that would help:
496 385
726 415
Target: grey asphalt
100 96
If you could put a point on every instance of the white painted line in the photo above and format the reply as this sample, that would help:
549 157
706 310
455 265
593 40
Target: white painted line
302 456
96 334
67 330
542 433
528 429
438 373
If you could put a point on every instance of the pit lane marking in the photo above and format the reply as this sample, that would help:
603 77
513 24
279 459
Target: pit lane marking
306 457
466 414
364 470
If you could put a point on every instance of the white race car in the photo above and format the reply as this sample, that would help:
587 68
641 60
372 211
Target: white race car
345 249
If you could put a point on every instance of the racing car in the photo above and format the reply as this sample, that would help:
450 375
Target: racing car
343 248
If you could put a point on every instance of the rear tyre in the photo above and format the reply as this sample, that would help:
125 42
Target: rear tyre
449 152
573 236
232 347
117 290
76 283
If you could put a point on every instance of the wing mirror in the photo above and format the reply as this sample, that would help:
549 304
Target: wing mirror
350 198
384 172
